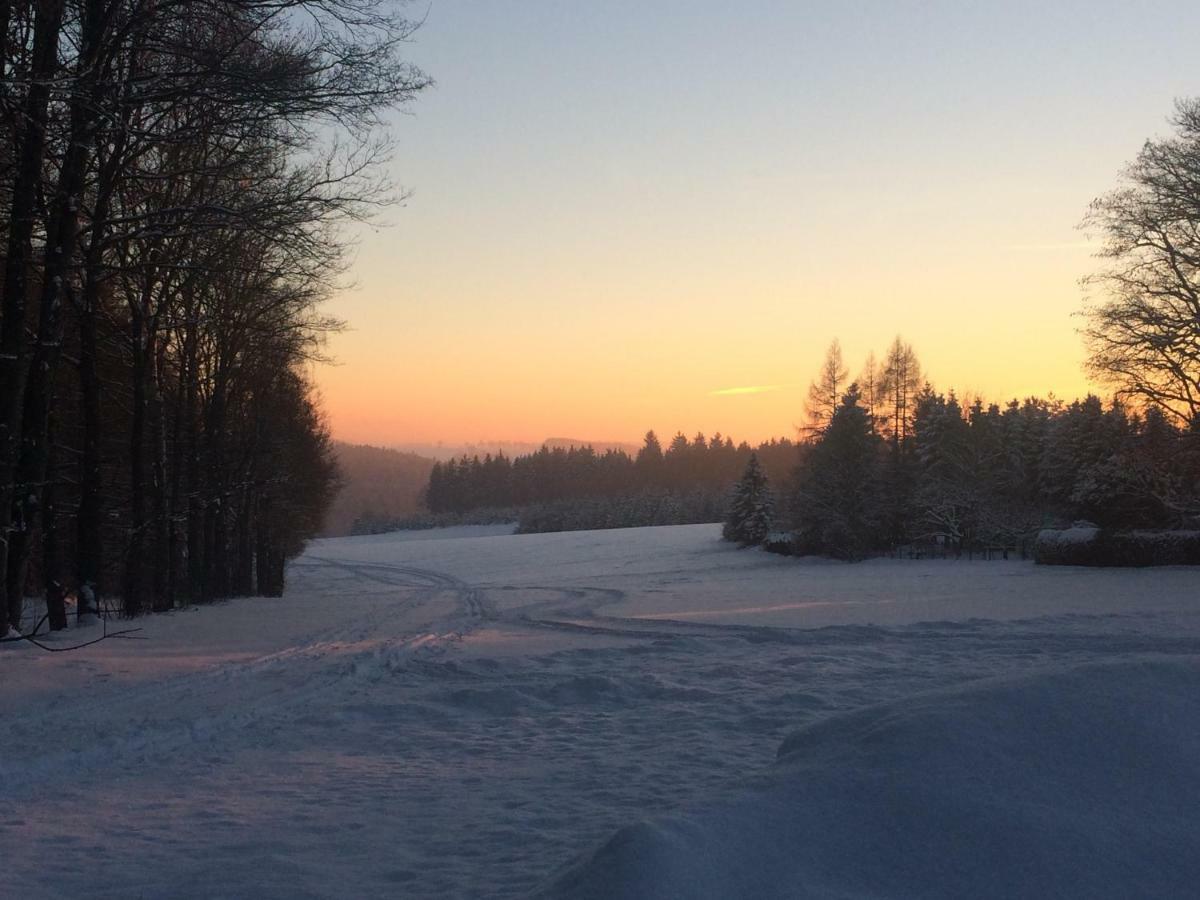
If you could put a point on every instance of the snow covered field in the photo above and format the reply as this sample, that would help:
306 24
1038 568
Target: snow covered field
599 714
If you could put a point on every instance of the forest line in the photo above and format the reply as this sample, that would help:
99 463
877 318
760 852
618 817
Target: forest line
886 460
175 176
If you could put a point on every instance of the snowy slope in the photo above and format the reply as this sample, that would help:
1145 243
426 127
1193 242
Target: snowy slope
467 715
1076 783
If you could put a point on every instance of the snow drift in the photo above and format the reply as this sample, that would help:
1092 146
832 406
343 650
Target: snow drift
460 713
1082 782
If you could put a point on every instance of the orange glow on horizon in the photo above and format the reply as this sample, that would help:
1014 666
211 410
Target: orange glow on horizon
608 233
608 371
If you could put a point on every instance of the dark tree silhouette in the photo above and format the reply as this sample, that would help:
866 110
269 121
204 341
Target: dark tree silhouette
750 515
836 505
826 390
175 175
1143 320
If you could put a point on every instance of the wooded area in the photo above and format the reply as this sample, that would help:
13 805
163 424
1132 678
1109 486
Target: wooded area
174 177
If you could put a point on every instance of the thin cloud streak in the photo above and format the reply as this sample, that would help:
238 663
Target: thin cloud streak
736 391
1063 245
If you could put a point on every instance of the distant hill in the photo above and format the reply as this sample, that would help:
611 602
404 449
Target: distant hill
443 451
480 448
598 446
376 480
388 482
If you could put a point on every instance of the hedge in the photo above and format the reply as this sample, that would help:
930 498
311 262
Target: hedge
1083 545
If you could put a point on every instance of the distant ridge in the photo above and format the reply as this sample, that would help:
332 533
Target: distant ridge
563 443
376 480
481 448
444 451
388 482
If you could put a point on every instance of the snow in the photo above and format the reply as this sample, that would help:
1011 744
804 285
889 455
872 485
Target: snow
1076 783
1079 533
473 713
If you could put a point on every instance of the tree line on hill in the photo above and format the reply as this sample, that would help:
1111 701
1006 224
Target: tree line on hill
924 469
885 460
172 181
897 464
890 460
558 488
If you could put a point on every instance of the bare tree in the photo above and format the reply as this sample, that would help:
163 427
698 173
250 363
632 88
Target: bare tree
28 131
825 392
1143 313
869 384
899 382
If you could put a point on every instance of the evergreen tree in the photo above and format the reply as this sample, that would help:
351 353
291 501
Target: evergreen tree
677 463
946 501
750 510
649 462
836 509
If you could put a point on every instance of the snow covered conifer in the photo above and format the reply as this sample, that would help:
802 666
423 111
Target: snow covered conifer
749 519
836 509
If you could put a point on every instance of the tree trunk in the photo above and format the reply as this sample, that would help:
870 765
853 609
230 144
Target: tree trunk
62 234
90 521
243 576
262 550
164 568
216 550
26 178
195 514
135 549
56 607
175 495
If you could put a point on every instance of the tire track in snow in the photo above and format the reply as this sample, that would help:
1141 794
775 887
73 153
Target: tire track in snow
472 599
471 775
108 729
574 610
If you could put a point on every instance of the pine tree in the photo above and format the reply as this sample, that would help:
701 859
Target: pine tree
947 497
836 505
750 516
649 462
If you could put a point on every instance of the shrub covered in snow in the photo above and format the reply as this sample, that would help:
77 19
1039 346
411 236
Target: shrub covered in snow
781 542
1084 544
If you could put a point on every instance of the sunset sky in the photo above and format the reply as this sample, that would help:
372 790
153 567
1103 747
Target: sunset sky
629 215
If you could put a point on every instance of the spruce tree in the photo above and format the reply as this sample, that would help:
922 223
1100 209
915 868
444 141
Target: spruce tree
836 508
749 519
649 462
